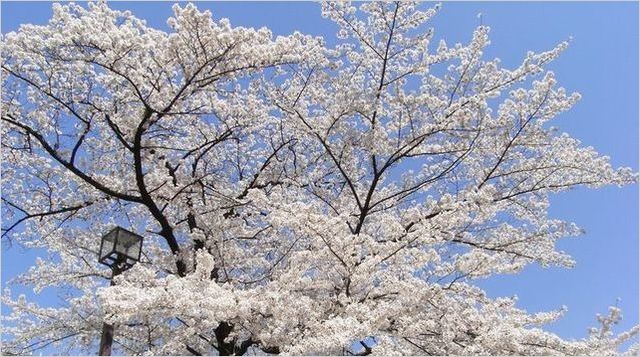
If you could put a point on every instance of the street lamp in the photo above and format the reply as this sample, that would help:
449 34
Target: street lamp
120 249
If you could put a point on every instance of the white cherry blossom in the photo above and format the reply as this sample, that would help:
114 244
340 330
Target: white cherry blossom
294 198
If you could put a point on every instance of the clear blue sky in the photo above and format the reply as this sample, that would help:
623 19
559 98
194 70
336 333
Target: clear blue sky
601 63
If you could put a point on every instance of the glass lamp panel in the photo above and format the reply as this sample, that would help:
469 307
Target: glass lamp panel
134 250
128 244
108 243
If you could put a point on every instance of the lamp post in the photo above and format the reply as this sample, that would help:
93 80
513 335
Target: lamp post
120 249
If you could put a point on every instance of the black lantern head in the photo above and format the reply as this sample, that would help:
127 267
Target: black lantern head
120 249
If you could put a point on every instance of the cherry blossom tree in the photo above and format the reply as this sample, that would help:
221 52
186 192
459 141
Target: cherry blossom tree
295 198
